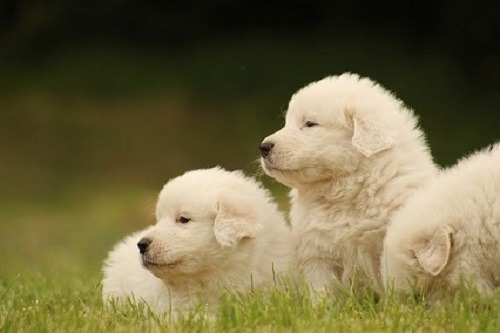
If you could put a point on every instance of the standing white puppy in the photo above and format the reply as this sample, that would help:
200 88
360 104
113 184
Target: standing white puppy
449 234
215 230
352 154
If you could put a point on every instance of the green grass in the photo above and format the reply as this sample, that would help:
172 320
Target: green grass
41 303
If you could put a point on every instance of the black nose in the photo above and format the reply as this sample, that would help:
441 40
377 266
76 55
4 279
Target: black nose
265 148
143 245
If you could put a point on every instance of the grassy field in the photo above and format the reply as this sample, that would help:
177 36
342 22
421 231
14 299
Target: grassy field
72 303
88 137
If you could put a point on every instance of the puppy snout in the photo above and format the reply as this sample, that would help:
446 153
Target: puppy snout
144 244
265 148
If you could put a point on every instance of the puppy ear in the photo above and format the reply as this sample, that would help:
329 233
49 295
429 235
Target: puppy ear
433 254
235 220
369 138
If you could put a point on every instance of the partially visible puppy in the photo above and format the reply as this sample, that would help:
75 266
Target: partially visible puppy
215 230
352 154
449 234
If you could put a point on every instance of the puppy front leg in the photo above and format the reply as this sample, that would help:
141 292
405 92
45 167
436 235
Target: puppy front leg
320 273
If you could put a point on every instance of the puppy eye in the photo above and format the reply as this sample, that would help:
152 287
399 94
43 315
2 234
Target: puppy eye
310 124
183 219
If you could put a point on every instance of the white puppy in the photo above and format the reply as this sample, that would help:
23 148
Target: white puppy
449 233
216 230
352 154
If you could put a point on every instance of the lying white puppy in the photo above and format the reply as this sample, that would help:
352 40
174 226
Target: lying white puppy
449 234
216 230
352 154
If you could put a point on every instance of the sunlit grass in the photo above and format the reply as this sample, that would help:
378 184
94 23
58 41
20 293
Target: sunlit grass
41 303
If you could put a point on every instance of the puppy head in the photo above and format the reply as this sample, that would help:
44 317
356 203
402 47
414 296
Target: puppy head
416 263
206 219
331 125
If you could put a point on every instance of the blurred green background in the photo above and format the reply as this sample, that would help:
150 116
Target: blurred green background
101 102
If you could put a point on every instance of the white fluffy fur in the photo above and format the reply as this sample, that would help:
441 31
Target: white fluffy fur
449 233
348 174
235 239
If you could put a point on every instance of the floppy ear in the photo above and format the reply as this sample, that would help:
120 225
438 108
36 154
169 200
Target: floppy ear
433 254
235 220
369 138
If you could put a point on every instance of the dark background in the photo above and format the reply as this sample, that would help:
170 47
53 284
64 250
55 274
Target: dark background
101 102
